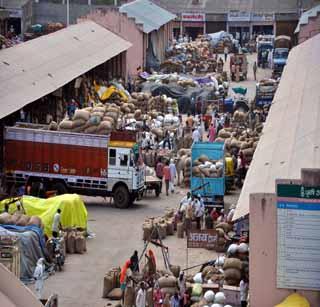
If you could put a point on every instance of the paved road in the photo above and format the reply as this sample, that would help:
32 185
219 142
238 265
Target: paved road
118 234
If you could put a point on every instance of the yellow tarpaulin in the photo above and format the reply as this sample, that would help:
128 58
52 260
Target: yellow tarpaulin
73 210
294 300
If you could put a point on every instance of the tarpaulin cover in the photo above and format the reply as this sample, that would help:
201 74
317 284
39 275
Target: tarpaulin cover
294 300
30 249
73 210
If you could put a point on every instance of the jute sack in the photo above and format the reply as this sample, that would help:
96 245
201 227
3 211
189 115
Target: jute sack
129 297
169 291
170 228
232 277
180 230
149 297
91 130
81 114
115 294
162 230
66 124
147 230
167 281
71 243
225 226
78 122
23 220
175 269
35 220
79 244
105 125
232 263
107 285
79 129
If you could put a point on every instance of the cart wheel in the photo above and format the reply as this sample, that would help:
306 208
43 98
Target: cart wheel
157 191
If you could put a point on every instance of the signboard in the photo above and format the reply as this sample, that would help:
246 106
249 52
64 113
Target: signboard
238 16
206 238
298 237
197 17
15 13
262 17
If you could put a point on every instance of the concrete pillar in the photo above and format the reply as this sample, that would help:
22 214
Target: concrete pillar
310 177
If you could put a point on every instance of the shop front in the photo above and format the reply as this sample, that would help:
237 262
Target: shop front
193 24
262 23
239 25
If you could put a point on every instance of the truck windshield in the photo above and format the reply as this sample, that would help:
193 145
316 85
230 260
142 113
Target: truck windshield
281 54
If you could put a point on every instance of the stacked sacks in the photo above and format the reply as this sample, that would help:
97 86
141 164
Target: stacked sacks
197 288
232 271
110 282
186 172
211 274
205 168
20 220
222 230
168 284
75 241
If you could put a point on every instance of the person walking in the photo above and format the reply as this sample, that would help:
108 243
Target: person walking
175 300
195 136
159 172
167 177
39 277
141 296
226 51
199 211
157 296
173 174
255 70
188 217
56 225
244 290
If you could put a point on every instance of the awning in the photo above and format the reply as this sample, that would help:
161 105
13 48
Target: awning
38 67
290 139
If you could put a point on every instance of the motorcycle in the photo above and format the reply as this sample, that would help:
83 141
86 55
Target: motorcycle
58 255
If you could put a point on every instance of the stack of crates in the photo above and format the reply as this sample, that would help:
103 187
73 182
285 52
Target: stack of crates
10 253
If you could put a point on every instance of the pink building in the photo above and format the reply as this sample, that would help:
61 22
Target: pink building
309 24
147 26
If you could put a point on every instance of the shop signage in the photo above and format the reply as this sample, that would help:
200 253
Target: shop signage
262 17
15 13
202 239
298 237
197 17
238 16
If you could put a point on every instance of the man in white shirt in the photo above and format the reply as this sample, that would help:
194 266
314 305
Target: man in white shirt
141 296
184 202
56 224
199 211
195 136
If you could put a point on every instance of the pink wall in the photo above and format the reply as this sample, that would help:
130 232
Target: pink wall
310 29
263 255
125 27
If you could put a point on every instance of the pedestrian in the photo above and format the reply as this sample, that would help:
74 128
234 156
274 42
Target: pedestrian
189 121
244 290
208 220
134 262
173 174
157 296
195 135
225 51
222 216
159 172
175 300
255 70
166 141
212 132
231 213
141 296
184 202
214 214
167 177
56 225
188 216
199 211
39 277
182 286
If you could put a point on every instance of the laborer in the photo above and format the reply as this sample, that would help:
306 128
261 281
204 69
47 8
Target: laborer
184 202
222 216
39 277
225 51
198 211
188 216
175 300
231 213
182 286
208 220
141 296
189 121
255 70
195 135
124 276
244 290
134 262
159 172
167 177
214 214
56 225
151 263
173 174
157 296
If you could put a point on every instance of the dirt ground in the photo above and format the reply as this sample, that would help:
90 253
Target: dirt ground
118 234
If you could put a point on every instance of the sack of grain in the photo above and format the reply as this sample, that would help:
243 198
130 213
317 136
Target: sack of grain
225 226
80 244
180 230
91 130
162 231
99 109
23 220
81 114
197 290
78 122
203 158
169 290
71 242
232 277
232 263
66 125
36 221
105 125
79 129
196 172
115 294
175 269
137 114
206 172
224 134
167 281
170 228
220 232
129 297
107 285
158 132
53 126
147 230
248 152
94 120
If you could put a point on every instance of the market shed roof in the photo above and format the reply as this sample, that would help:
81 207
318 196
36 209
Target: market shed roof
290 139
38 67
304 19
13 4
148 14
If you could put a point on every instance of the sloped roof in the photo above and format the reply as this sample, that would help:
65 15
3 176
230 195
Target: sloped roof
148 14
13 4
304 19
290 139
33 69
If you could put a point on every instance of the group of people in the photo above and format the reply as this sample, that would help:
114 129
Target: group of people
166 170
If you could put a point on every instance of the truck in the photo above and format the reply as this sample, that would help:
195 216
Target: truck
212 190
280 54
264 46
87 164
265 91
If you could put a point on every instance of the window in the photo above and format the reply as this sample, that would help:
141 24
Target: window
124 160
112 157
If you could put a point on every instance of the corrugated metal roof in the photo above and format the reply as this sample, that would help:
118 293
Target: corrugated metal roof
304 19
148 14
38 67
13 4
290 139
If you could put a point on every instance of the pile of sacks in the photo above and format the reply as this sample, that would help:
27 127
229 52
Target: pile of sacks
159 227
20 220
232 271
75 241
111 285
203 167
222 229
101 119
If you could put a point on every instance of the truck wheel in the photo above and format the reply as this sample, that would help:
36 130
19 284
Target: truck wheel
60 188
121 197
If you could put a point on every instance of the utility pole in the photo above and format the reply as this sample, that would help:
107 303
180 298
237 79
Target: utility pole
68 13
